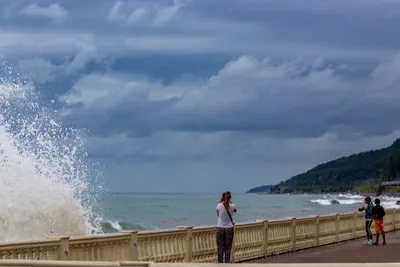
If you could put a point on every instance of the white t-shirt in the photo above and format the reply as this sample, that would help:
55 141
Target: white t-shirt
223 219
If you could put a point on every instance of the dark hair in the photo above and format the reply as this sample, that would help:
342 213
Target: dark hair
223 196
368 199
226 197
377 201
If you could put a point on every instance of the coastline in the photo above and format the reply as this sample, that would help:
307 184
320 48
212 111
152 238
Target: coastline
371 194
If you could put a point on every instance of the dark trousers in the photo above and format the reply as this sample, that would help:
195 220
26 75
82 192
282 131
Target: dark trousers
224 244
368 229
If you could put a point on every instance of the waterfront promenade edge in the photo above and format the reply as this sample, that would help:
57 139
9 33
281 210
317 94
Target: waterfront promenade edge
252 240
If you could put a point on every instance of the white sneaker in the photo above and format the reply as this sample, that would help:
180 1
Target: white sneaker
371 242
366 241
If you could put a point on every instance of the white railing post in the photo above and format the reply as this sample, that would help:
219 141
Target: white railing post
294 234
355 225
265 237
133 248
64 248
188 242
233 249
317 231
337 227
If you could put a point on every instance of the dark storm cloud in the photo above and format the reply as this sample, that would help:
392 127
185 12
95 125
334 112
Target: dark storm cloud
248 95
260 88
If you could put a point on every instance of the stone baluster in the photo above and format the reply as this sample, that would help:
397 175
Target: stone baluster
133 245
317 230
265 236
337 227
188 242
293 235
354 225
64 248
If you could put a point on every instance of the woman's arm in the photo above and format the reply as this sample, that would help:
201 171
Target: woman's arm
233 206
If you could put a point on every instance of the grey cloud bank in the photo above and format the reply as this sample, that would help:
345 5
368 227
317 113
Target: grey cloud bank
187 95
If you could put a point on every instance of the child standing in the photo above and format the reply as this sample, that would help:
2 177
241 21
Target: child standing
379 212
368 218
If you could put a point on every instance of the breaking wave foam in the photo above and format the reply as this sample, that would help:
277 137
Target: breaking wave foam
348 199
44 184
350 196
116 226
327 202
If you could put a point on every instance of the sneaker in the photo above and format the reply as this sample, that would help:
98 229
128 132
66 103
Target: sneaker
371 242
384 243
366 241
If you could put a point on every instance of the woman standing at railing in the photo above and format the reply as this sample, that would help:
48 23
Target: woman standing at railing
225 224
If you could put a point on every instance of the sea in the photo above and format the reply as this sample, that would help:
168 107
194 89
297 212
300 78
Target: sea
166 211
50 186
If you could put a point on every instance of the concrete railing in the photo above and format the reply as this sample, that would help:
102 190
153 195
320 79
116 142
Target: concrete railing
186 244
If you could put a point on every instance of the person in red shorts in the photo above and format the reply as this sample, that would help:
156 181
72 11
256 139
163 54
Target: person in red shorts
378 212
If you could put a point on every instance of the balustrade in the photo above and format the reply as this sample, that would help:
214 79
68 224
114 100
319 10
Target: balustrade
187 244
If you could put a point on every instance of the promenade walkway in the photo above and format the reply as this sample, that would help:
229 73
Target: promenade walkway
348 252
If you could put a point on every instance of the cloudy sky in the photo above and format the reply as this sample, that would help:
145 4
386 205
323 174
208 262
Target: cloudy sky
205 96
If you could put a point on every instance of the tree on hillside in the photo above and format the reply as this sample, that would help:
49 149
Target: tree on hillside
363 169
394 165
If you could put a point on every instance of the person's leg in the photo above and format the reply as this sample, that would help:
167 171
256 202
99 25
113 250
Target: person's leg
229 232
220 244
368 229
224 249
383 234
377 230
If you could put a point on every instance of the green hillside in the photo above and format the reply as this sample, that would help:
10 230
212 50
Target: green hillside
259 189
347 173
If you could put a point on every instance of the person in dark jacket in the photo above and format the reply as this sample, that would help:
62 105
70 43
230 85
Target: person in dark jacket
379 212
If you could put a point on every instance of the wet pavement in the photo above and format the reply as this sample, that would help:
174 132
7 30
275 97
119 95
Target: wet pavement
347 252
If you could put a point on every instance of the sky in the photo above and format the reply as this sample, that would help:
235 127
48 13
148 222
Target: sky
209 96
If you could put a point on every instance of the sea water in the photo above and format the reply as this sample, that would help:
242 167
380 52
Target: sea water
164 211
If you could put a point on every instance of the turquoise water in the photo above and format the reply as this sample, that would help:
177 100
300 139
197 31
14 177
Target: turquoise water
161 211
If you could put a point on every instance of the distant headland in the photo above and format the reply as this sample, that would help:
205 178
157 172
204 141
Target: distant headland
362 172
260 189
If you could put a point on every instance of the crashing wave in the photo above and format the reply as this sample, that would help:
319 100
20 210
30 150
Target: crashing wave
44 183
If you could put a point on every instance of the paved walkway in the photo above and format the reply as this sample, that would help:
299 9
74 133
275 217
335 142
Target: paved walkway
349 252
